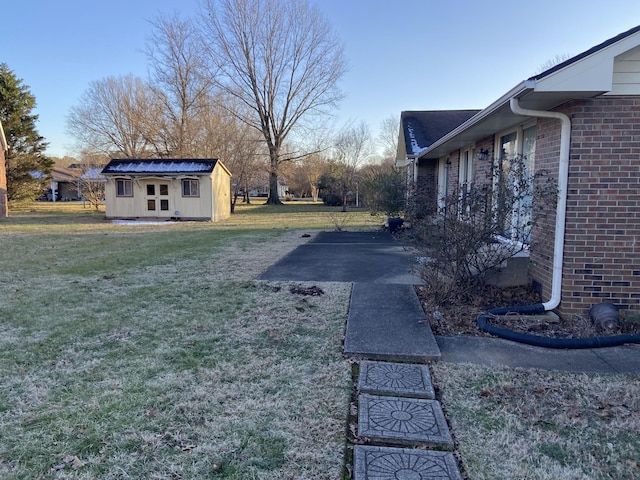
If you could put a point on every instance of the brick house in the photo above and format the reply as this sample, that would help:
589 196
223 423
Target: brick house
580 121
4 208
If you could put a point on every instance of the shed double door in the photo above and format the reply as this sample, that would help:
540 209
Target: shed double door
157 199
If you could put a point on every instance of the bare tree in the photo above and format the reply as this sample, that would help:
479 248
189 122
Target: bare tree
353 146
181 83
388 136
552 62
91 183
312 168
116 116
280 59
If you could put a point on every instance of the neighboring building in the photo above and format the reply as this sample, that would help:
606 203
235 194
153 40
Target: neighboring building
66 182
4 206
579 120
185 189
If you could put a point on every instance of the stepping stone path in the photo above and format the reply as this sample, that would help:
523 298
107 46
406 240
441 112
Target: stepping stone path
396 408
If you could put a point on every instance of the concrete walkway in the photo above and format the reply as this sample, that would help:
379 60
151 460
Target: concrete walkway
386 324
385 320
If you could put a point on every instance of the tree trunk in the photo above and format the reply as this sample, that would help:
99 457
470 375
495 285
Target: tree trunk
273 198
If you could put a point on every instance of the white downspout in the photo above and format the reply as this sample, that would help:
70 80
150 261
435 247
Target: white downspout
561 210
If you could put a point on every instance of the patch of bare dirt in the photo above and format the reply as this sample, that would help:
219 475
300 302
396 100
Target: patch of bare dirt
459 317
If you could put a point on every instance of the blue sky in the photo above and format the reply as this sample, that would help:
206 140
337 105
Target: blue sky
403 54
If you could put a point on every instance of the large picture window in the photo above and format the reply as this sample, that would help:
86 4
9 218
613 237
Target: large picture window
190 188
124 188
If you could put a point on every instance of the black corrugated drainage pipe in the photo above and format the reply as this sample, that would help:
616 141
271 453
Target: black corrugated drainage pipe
537 340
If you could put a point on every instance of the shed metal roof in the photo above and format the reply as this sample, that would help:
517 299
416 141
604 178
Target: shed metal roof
160 167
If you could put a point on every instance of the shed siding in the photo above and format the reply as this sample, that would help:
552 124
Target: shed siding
221 194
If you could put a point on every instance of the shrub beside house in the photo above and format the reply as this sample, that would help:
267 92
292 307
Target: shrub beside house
579 121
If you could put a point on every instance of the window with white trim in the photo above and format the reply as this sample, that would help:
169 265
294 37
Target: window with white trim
465 177
516 150
190 188
124 188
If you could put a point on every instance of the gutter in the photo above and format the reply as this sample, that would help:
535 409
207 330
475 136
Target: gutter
479 117
561 210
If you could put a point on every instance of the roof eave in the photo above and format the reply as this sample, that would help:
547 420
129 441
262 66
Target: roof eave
433 151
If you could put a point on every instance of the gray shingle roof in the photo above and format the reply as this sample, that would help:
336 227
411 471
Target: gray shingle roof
423 128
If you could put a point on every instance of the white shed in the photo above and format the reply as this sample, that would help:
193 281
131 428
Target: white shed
185 189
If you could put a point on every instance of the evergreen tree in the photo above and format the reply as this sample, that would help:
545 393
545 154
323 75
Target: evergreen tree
28 168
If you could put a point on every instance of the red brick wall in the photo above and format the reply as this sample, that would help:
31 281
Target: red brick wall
427 187
602 239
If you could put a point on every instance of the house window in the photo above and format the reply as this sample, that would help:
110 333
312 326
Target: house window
190 188
516 162
124 188
465 178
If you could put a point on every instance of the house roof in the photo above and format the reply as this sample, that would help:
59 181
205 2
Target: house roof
586 75
421 128
160 167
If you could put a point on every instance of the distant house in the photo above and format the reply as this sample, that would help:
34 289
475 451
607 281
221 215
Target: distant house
66 182
4 208
187 189
579 120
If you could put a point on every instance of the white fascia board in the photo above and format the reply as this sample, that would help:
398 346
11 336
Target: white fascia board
479 117
592 73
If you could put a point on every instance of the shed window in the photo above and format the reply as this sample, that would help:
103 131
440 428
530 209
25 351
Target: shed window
190 188
124 188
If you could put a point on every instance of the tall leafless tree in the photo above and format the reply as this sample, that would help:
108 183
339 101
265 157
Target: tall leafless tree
281 59
182 83
116 116
353 146
388 136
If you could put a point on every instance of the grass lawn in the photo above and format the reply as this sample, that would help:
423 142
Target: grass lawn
536 425
149 351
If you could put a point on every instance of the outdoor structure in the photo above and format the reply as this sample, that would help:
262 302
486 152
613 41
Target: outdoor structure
184 189
4 208
66 182
580 121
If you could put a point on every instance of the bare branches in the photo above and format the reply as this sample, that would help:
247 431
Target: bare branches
280 59
114 117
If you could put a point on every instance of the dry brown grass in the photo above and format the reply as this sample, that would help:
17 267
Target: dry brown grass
517 424
151 352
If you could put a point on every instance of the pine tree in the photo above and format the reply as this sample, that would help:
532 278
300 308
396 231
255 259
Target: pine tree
27 166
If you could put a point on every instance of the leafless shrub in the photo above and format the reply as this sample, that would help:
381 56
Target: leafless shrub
478 228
